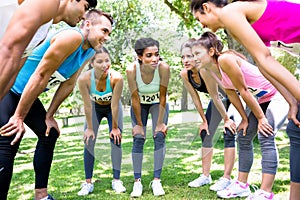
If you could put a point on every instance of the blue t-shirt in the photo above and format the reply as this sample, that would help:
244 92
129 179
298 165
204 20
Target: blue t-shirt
70 66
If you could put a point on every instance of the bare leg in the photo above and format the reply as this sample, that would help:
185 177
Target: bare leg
294 191
267 182
243 177
207 154
229 158
40 193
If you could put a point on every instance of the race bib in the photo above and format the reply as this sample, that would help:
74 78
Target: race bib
149 98
27 53
258 93
107 97
55 79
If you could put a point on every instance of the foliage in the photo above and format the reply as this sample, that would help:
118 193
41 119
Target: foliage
286 59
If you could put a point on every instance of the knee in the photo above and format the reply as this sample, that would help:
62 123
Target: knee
229 139
244 142
138 144
206 139
159 140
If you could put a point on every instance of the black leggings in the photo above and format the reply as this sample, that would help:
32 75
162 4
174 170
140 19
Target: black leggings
44 149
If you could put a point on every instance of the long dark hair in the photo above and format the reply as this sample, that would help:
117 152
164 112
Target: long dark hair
210 40
197 4
142 43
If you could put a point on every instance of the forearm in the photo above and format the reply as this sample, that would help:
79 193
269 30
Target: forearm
136 106
285 93
88 110
115 114
221 108
279 75
252 104
199 108
60 95
9 67
162 109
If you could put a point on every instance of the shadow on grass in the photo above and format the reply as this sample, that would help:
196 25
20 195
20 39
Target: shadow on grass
182 164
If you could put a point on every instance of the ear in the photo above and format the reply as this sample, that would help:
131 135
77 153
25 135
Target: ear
206 7
211 52
87 24
140 58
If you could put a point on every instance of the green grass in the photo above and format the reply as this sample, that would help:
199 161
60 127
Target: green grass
182 164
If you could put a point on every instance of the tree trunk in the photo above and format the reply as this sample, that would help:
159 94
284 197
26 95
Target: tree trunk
184 100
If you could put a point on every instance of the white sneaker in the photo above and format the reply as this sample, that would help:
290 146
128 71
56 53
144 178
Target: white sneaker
157 188
137 189
235 189
261 195
201 180
86 188
221 184
117 186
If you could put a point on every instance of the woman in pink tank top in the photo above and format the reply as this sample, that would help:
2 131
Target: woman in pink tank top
241 78
256 24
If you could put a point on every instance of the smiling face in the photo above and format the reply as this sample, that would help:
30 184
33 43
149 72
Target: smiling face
74 11
150 56
99 33
101 62
201 57
187 58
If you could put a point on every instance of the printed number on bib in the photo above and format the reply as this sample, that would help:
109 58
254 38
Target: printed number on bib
106 97
55 79
149 98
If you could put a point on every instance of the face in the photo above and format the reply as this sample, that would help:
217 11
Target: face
99 33
201 57
187 58
101 62
150 56
75 11
207 20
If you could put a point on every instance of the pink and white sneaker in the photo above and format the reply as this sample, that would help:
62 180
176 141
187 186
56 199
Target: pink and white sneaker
235 189
261 195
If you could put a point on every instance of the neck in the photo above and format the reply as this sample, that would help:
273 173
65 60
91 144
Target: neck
147 69
99 75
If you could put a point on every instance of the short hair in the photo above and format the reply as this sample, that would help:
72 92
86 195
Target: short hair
142 43
93 16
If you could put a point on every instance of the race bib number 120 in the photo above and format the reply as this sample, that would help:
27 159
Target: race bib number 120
149 98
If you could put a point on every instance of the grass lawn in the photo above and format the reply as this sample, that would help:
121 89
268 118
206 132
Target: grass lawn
182 164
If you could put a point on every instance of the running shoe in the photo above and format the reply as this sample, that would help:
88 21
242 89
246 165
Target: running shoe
201 180
221 184
117 186
137 189
157 188
261 195
86 188
235 189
